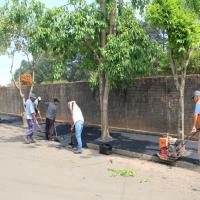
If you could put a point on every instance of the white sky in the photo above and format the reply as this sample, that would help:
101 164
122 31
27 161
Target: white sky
5 61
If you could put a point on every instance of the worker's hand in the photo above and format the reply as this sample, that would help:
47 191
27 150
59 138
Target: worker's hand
194 130
37 124
72 127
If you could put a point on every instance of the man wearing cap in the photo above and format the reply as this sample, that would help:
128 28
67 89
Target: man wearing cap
196 117
31 118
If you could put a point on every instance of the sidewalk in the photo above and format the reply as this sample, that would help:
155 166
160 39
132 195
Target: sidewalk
46 171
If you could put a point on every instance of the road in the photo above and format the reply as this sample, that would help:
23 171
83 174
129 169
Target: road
46 171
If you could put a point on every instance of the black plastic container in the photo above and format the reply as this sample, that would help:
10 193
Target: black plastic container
105 148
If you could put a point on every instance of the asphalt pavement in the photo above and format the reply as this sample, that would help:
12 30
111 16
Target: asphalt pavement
135 144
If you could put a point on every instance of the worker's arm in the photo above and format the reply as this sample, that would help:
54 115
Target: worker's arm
35 120
195 116
39 115
72 127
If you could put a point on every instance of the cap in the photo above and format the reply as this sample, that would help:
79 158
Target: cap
196 93
32 95
39 98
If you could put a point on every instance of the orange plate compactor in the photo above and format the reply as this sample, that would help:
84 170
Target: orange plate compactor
171 148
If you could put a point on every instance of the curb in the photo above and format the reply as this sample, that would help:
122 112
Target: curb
152 158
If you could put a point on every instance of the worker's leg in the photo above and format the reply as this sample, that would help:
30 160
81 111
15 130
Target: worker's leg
31 128
51 129
47 127
78 131
199 147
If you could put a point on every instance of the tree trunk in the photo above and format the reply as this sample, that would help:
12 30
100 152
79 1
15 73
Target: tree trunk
104 79
103 85
182 112
19 88
184 66
180 86
33 77
23 113
104 94
103 17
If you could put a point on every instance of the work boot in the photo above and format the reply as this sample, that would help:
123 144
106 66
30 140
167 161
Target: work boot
78 151
26 140
32 140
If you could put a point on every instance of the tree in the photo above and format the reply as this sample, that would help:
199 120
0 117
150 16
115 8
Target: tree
183 35
17 19
43 70
74 70
114 47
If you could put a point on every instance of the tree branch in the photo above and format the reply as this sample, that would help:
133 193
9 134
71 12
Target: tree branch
88 44
186 61
13 78
112 18
173 68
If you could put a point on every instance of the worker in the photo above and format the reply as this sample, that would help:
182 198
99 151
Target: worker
31 119
50 118
196 118
77 123
36 106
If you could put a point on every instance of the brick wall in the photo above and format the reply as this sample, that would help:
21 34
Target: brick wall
150 104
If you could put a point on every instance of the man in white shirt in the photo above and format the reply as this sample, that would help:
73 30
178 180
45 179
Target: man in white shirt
78 121
31 119
36 106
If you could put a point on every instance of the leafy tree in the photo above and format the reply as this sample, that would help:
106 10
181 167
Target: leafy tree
17 19
140 4
183 35
43 70
74 71
113 45
194 65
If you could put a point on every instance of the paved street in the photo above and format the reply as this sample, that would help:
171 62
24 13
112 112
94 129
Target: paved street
45 171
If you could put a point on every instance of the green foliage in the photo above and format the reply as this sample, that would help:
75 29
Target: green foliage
122 172
18 18
194 5
43 70
181 25
75 72
130 53
194 65
140 4
64 31
77 31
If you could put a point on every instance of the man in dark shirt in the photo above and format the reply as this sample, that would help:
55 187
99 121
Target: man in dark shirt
50 118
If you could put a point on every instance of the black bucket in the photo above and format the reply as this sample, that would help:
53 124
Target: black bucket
105 148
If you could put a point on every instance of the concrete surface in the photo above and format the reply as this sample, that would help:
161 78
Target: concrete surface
46 171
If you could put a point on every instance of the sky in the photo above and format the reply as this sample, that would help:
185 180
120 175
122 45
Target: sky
5 61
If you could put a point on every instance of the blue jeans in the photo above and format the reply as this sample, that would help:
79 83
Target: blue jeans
78 132
31 129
